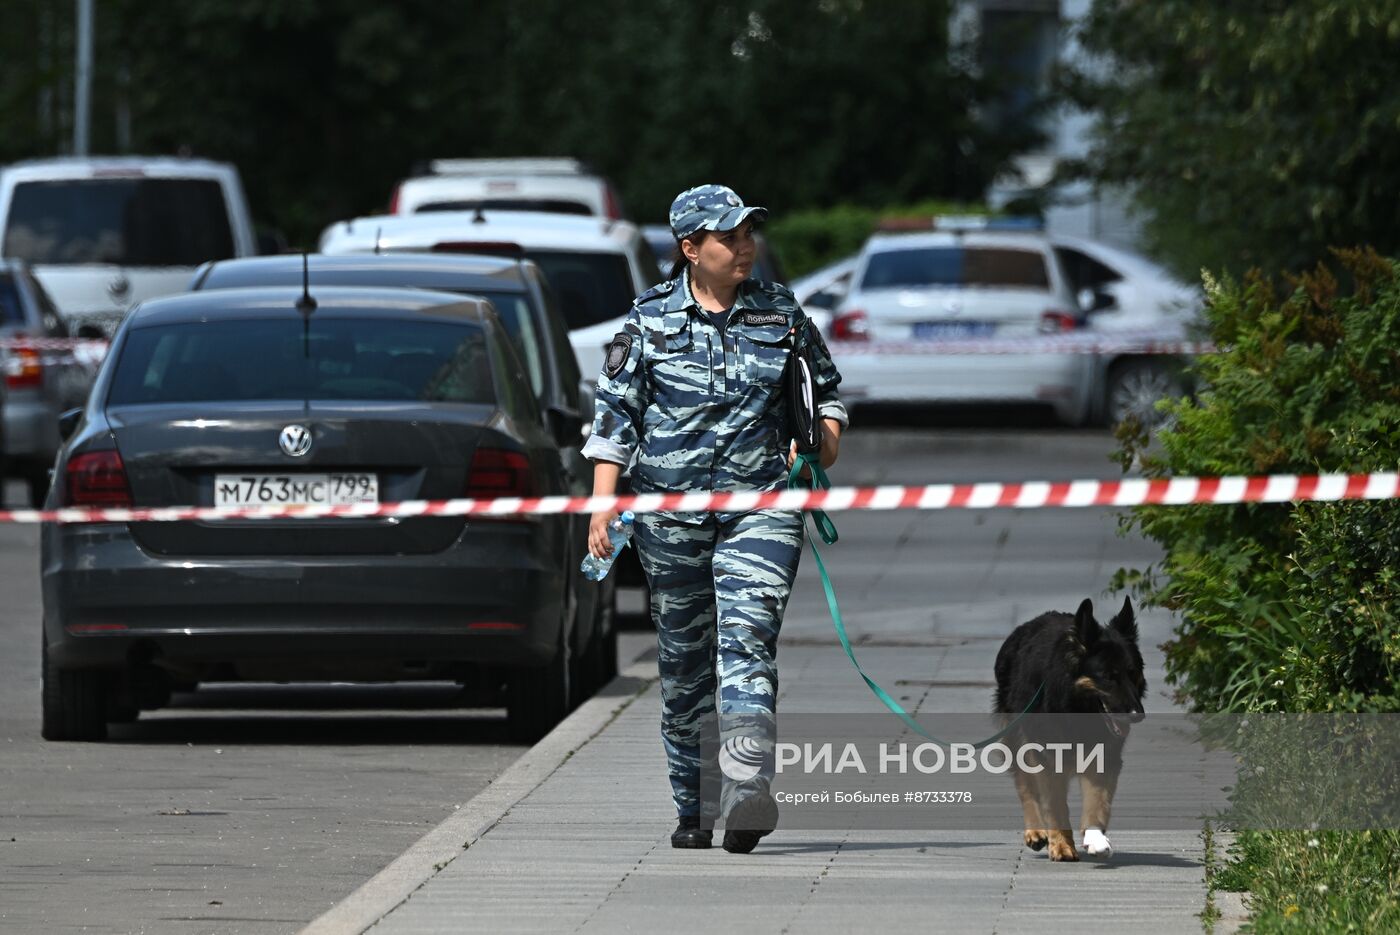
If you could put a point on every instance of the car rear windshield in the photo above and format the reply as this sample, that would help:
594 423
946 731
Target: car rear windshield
122 221
986 267
589 287
550 205
361 359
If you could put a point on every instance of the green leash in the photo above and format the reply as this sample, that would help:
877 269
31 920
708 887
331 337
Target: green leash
827 529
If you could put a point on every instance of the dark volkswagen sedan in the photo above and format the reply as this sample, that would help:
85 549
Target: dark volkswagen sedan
234 397
522 299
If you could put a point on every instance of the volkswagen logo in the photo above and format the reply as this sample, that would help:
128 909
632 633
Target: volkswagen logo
295 440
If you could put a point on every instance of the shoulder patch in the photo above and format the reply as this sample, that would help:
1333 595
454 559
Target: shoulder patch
618 349
765 318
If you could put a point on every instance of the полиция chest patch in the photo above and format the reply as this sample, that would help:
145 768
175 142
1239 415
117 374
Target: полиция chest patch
765 318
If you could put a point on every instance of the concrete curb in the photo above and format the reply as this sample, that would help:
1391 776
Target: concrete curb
1232 911
449 840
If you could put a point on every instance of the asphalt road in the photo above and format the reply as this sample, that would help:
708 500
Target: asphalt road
253 809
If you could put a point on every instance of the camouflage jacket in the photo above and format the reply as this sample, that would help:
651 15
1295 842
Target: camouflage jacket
703 408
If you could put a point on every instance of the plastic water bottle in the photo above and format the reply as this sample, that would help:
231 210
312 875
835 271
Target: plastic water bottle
619 534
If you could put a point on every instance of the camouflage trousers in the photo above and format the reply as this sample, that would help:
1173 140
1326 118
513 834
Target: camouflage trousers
719 585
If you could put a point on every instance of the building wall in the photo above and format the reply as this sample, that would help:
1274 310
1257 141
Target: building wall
1046 29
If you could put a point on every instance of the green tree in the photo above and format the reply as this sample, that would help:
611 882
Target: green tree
324 104
1254 134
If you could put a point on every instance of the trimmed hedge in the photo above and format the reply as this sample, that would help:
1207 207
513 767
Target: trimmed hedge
807 240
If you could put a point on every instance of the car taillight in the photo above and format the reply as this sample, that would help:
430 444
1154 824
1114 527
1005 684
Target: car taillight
1055 321
97 478
498 473
24 369
851 326
612 205
394 199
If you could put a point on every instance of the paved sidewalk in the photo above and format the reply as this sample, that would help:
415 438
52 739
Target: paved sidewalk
586 847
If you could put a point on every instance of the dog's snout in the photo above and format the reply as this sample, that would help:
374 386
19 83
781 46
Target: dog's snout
1137 715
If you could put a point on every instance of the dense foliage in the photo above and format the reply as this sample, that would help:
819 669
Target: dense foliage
325 104
1288 607
1254 134
1292 607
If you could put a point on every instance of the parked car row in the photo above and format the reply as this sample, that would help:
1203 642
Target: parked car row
445 349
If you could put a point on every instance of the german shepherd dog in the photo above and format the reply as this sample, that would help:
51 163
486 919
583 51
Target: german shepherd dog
1085 669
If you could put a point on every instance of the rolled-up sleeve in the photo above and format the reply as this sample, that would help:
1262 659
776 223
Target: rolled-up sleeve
825 377
620 399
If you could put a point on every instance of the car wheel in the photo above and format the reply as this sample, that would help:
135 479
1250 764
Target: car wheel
72 702
538 697
121 714
1135 386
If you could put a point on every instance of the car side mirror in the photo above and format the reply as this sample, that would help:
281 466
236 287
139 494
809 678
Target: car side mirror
68 423
566 425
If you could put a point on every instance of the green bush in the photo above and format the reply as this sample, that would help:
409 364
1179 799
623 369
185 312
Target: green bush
1285 607
808 240
1290 607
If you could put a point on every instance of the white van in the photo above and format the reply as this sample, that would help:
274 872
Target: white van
558 186
595 267
102 234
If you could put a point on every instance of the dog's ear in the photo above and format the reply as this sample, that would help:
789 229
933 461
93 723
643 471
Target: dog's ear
1125 623
1085 626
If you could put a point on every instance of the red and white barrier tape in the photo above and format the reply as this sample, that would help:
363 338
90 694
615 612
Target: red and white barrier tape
54 344
1069 343
1278 488
1073 343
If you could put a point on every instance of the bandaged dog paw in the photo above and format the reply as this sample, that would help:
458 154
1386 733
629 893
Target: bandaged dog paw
1096 843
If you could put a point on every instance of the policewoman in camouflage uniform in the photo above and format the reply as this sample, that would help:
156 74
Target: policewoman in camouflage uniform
692 388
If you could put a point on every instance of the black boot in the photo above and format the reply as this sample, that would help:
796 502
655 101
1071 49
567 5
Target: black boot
748 821
689 834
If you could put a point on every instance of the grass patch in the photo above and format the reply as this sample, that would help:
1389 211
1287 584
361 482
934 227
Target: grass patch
1325 882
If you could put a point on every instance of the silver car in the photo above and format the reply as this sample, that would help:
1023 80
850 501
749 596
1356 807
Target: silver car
41 381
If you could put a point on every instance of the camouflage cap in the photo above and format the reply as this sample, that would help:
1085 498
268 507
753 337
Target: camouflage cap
711 208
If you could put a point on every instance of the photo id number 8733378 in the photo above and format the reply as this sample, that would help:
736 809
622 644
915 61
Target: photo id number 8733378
231 490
